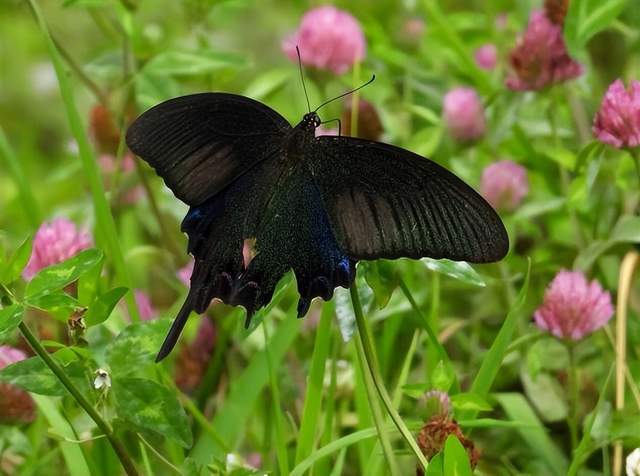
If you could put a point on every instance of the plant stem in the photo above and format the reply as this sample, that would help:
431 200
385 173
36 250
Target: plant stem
370 357
378 419
89 83
155 209
104 219
635 155
573 397
355 101
579 115
117 446
627 268
433 338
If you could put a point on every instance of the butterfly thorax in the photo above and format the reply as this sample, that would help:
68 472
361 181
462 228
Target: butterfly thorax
301 137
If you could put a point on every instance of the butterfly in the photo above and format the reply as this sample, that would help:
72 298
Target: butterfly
316 205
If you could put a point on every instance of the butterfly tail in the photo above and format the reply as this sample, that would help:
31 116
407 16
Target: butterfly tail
176 329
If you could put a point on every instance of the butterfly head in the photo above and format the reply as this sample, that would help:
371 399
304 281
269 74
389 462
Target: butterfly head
311 121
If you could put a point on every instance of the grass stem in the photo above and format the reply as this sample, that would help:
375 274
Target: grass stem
364 339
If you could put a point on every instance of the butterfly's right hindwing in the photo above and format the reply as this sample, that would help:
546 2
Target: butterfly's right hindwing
201 143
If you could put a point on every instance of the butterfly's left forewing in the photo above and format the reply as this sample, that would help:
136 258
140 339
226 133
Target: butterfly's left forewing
387 202
201 143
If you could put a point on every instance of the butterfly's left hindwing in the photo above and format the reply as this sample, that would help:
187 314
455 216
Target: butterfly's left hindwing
387 202
201 143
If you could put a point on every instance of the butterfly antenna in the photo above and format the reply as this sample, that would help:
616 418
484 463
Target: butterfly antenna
302 79
373 77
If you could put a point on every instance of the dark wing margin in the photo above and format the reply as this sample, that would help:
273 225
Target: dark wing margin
202 142
387 202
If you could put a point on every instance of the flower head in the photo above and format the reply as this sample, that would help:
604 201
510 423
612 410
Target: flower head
146 309
540 57
617 123
328 38
633 463
501 21
55 242
434 434
184 273
439 402
369 124
412 31
103 130
464 114
194 358
326 131
16 405
103 379
504 184
486 56
556 10
573 307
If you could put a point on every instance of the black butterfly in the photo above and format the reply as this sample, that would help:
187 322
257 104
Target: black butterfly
316 205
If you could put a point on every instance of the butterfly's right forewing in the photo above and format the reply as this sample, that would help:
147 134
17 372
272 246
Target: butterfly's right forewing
201 143
387 202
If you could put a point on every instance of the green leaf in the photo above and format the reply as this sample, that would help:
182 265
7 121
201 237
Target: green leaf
152 89
150 406
10 319
533 432
101 308
192 63
533 209
442 377
426 141
34 376
588 153
17 262
585 18
546 395
470 401
435 466
58 276
461 50
344 309
136 346
88 284
456 460
460 270
278 295
425 113
415 390
382 278
58 303
627 230
84 3
267 83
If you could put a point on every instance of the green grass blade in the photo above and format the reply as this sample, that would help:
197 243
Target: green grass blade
311 413
231 418
104 218
71 452
340 443
24 189
281 444
496 353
